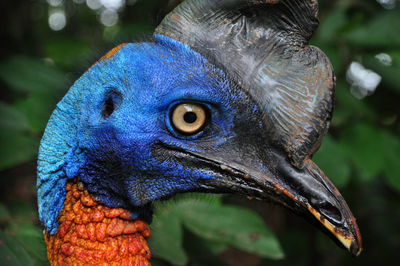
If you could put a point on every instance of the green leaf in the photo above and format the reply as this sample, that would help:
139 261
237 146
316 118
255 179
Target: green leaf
334 55
235 226
331 24
32 241
6 255
26 74
378 32
13 252
201 250
44 85
166 239
37 109
373 151
12 119
348 108
392 156
67 52
16 148
218 225
333 161
365 146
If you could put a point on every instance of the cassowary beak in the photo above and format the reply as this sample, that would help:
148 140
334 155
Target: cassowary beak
264 44
307 192
312 191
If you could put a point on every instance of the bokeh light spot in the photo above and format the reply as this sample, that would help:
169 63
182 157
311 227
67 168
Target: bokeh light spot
93 4
388 4
384 58
113 4
363 81
55 2
57 20
109 17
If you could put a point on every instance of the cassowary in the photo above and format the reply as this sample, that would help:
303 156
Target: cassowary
226 98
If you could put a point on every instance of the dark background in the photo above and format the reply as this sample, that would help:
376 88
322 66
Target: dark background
361 153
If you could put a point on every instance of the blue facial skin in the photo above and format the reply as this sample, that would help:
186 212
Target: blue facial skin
112 147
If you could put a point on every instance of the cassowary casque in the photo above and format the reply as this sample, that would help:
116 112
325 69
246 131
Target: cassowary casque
227 98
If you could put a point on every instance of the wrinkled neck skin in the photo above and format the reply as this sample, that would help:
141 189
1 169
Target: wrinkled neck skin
90 233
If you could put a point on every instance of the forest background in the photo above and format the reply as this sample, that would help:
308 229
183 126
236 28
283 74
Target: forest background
46 45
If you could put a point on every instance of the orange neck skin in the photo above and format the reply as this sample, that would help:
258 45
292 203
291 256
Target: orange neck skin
92 234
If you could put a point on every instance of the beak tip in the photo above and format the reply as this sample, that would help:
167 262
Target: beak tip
351 243
355 248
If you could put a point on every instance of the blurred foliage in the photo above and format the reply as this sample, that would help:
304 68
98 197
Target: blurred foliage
206 217
21 242
361 153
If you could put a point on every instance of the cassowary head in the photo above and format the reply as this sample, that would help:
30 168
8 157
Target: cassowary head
227 98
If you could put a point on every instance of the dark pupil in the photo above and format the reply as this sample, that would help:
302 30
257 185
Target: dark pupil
190 117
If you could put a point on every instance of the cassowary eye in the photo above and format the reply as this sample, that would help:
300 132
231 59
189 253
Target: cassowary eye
189 118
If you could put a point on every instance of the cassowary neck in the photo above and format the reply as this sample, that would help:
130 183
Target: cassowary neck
93 234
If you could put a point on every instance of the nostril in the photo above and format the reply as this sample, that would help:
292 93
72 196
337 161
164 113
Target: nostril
331 213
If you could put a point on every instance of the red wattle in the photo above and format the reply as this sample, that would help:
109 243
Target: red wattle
93 234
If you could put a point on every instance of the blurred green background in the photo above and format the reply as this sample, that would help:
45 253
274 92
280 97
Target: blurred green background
46 45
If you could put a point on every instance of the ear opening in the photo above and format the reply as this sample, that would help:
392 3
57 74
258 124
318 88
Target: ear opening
113 100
